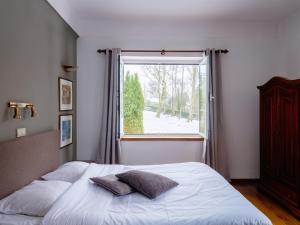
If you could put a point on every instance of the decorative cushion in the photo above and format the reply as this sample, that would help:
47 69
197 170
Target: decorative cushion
149 184
34 199
112 184
69 172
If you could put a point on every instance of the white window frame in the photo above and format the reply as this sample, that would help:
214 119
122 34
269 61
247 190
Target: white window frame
152 59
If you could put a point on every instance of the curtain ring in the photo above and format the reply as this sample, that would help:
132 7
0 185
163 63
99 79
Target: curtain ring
163 52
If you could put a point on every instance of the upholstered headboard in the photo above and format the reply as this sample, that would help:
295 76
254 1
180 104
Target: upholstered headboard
26 159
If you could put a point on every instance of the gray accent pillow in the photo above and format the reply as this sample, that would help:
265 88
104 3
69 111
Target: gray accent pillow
149 184
112 184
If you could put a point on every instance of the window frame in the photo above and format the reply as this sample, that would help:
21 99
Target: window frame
162 137
158 136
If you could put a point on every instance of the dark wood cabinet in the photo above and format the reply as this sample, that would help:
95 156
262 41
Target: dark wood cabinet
279 141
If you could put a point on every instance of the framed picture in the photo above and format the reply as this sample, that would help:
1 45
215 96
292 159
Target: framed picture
65 95
66 131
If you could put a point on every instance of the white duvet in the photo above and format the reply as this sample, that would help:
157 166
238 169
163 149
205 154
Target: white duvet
203 197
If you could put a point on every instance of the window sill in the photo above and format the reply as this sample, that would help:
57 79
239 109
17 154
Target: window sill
162 138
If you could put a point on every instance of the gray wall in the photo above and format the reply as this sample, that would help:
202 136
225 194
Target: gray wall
34 43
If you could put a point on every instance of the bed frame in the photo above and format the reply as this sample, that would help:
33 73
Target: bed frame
26 159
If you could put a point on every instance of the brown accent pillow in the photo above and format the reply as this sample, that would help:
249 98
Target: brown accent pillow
149 184
112 184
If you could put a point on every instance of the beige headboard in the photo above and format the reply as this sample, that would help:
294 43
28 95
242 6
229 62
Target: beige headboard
26 159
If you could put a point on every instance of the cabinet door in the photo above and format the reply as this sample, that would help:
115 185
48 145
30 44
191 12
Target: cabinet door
268 114
288 144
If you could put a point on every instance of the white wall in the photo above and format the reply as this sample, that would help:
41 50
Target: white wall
250 62
158 152
69 15
289 46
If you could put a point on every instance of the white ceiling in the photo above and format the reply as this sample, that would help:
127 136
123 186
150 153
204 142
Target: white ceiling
175 10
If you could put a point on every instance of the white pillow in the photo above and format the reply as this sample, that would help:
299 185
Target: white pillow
69 172
34 199
19 219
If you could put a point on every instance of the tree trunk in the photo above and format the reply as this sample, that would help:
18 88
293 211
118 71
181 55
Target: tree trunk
159 93
164 88
174 77
181 93
193 94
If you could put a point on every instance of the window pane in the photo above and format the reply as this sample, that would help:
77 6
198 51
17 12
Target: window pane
163 99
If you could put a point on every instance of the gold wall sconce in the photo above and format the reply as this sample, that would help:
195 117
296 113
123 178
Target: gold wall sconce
20 107
69 68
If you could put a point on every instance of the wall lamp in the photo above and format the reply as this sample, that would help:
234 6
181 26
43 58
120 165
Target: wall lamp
21 106
69 68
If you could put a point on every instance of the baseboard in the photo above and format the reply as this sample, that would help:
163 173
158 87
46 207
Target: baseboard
244 181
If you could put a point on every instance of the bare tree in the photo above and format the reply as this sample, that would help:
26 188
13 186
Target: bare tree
157 75
193 71
174 88
164 92
173 81
181 93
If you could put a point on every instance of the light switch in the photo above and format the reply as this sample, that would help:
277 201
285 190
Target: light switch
21 132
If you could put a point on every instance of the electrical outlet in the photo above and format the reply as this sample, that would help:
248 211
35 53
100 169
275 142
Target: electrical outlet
21 132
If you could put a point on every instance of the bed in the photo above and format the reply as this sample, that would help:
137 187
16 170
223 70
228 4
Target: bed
202 197
20 220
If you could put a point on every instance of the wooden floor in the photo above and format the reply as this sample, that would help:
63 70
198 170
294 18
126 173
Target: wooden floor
277 214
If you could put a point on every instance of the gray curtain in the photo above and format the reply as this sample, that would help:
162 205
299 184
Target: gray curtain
215 152
110 137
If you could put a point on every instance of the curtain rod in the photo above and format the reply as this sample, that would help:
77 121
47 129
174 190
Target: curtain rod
163 51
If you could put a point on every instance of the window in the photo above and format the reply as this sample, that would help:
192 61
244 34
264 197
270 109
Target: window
163 95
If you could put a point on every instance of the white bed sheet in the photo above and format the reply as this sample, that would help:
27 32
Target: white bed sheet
19 220
203 197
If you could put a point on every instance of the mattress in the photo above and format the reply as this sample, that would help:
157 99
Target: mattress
202 197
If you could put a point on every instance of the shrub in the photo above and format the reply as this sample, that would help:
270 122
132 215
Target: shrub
133 107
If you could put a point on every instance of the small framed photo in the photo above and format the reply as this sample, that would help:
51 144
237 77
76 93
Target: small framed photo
66 130
65 95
